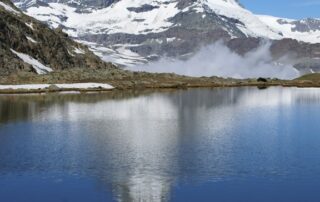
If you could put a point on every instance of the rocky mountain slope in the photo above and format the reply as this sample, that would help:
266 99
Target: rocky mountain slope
306 30
139 31
31 46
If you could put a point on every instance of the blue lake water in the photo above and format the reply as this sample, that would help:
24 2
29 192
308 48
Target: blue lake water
224 144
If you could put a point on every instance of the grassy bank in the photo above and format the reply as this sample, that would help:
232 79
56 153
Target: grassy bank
122 79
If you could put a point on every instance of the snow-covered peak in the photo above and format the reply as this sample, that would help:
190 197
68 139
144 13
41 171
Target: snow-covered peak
142 16
249 24
145 30
132 17
307 30
234 3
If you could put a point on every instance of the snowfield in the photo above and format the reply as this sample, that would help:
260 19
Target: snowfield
118 18
287 29
253 25
114 19
62 86
117 32
121 17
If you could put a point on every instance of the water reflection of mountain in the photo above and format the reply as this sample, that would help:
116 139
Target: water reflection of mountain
24 107
27 106
19 107
139 145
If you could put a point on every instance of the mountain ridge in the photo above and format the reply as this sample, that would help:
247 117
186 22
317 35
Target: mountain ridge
29 45
135 32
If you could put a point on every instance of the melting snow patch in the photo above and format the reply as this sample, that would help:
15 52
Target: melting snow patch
9 8
85 85
70 53
31 39
171 39
62 86
30 25
40 68
79 51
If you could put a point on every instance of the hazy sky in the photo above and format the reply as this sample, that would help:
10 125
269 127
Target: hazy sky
296 9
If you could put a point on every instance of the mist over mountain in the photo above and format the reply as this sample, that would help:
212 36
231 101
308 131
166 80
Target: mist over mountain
131 33
219 60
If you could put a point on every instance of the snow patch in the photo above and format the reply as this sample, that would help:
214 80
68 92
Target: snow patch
30 25
79 51
63 86
40 68
119 54
171 39
71 53
31 39
9 8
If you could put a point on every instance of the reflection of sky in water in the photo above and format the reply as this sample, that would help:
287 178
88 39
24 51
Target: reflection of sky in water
140 147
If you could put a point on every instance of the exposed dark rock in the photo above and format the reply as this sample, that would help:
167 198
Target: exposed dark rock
244 45
143 8
55 49
308 66
53 87
305 25
262 79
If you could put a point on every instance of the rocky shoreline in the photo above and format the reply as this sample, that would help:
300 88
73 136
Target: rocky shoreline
124 80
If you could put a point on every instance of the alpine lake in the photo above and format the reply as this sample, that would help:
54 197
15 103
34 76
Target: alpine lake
208 144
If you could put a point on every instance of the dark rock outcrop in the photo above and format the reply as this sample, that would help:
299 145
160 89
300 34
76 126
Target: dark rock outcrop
52 48
264 80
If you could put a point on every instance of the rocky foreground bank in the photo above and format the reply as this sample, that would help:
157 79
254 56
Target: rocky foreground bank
123 80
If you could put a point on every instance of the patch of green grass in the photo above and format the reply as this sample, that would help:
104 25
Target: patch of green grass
309 77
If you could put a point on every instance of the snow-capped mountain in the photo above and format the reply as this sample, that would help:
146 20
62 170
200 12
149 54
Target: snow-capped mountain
307 30
137 31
